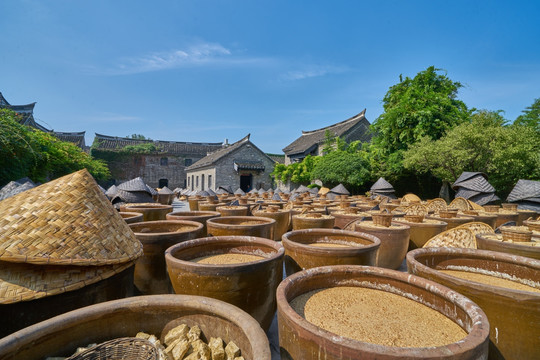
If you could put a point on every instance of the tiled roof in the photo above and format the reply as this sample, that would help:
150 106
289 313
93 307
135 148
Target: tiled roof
76 138
314 137
212 158
114 143
25 112
280 159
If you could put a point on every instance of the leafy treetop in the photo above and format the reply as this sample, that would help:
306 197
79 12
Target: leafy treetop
423 106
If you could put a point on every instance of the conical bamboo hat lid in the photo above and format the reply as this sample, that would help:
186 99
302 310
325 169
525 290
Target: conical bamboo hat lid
65 221
23 282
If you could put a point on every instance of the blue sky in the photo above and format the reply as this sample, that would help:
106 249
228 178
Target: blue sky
209 70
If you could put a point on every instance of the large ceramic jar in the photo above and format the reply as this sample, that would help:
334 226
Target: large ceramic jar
421 232
198 216
394 242
242 226
451 221
241 270
131 217
282 218
300 338
151 212
60 336
495 242
156 236
510 311
309 248
312 221
233 210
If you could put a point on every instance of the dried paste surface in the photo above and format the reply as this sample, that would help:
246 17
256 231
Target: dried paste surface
490 280
377 317
223 259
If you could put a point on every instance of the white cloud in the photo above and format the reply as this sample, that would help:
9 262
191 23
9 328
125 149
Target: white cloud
203 54
311 71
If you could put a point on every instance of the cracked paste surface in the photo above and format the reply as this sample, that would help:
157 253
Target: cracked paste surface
377 317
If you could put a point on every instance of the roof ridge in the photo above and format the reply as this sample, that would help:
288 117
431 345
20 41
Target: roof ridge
69 132
355 117
109 137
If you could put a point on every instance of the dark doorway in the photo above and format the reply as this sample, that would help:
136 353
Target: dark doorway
163 183
245 182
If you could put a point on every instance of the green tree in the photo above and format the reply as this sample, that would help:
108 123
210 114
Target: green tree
426 105
138 137
39 155
350 168
505 153
299 173
530 116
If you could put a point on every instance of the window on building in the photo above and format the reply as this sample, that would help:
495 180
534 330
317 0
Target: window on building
209 181
164 161
192 182
188 162
186 183
197 182
202 182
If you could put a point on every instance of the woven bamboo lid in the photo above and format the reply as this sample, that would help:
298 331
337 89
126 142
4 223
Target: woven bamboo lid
437 205
23 282
65 221
456 237
459 203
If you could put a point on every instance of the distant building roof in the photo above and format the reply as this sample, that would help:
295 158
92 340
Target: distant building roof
280 159
76 138
212 158
25 112
26 117
115 143
314 137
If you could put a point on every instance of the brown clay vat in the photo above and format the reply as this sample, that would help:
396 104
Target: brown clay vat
232 210
282 218
394 242
198 216
242 226
343 218
485 217
494 242
421 232
194 203
524 215
452 222
156 236
61 335
131 217
207 206
510 312
300 339
151 212
299 255
504 217
312 221
251 285
16 316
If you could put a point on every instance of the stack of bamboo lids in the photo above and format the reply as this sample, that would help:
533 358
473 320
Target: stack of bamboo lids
59 236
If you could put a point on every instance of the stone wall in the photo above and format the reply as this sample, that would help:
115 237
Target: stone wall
152 168
202 179
223 174
227 176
